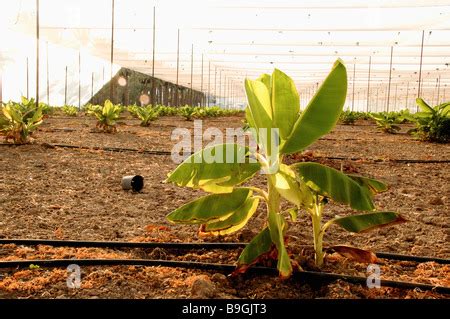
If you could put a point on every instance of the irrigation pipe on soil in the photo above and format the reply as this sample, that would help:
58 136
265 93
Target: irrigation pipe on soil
167 153
185 245
302 275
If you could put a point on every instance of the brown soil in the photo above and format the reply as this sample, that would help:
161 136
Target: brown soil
60 193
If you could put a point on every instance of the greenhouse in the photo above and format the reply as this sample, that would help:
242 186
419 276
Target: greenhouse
291 149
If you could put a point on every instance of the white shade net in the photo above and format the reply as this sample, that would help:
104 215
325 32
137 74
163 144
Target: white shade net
235 39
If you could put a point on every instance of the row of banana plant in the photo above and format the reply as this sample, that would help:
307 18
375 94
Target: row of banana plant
18 121
273 104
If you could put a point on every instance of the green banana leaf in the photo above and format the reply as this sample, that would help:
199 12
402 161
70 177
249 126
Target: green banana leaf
285 103
260 244
196 172
236 221
424 106
277 227
365 222
334 184
210 208
322 112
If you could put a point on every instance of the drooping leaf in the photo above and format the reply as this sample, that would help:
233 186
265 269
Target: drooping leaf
236 221
360 255
365 222
210 208
332 183
372 184
199 171
259 245
322 112
424 106
285 103
277 229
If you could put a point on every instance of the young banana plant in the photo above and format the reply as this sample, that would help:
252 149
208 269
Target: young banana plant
273 114
106 115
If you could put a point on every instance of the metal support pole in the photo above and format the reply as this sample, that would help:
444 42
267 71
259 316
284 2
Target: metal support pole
65 88
376 106
389 83
79 80
420 68
192 74
48 79
201 84
178 67
152 95
220 84
37 52
215 84
28 81
368 84
438 89
111 82
353 90
407 95
209 81
395 97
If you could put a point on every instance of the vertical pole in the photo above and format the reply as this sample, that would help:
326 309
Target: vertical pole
192 74
220 84
201 84
353 90
152 97
1 87
37 52
407 95
215 84
376 106
79 80
65 88
209 81
395 98
368 84
48 79
389 83
92 86
178 67
420 68
438 88
103 75
28 81
111 82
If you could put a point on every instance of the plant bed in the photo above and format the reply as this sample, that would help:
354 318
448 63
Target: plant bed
75 194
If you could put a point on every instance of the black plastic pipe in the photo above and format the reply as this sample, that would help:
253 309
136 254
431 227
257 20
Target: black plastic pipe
303 275
168 245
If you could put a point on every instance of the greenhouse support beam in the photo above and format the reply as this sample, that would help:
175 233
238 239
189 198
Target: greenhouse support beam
209 82
111 83
407 95
178 68
37 52
28 80
353 89
420 67
201 84
79 80
368 84
48 79
192 73
65 87
438 88
389 83
152 92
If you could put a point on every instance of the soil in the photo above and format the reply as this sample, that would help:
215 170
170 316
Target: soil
60 193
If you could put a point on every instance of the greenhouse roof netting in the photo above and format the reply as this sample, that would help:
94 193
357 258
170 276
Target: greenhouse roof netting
386 45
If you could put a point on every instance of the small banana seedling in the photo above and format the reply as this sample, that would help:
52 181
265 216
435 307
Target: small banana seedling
387 122
70 110
146 114
278 129
19 120
106 115
188 112
432 123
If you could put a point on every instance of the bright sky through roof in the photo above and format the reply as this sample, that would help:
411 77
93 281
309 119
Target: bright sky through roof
243 38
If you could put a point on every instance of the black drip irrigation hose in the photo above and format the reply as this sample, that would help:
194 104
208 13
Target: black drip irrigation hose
302 275
185 245
167 153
